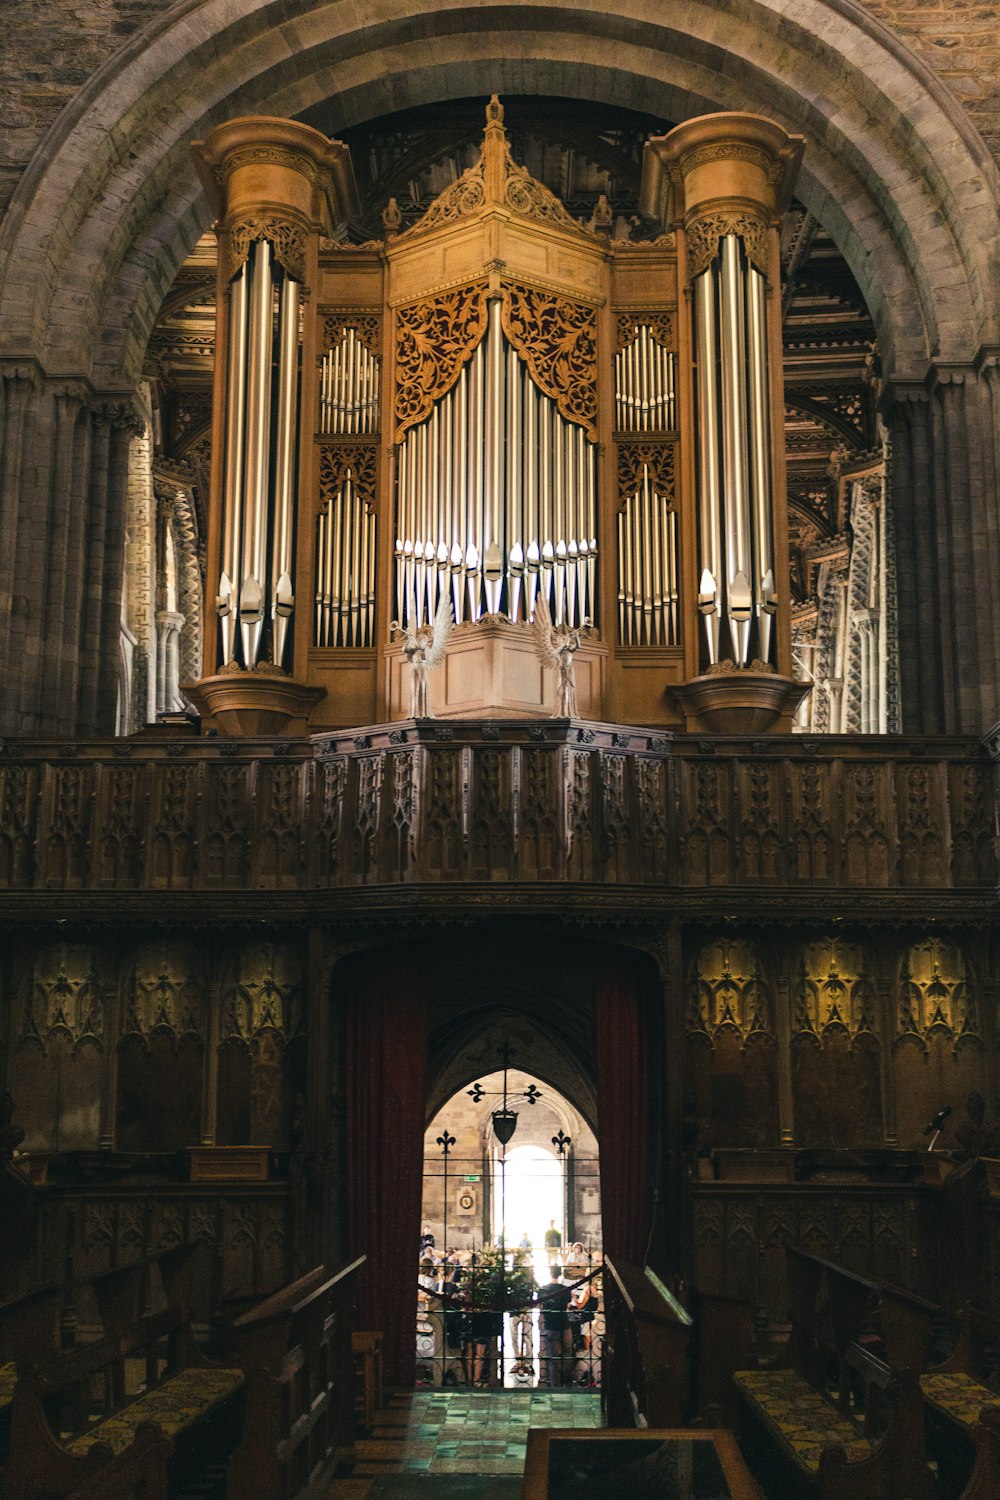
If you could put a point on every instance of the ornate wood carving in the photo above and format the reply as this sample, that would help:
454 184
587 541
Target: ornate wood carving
706 230
65 997
434 339
286 236
836 990
557 339
265 995
662 326
342 460
166 991
936 994
658 457
337 321
729 993
494 179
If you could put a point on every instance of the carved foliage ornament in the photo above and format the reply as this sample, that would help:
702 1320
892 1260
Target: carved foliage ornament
367 326
635 458
340 461
662 328
287 238
557 339
434 339
495 178
706 230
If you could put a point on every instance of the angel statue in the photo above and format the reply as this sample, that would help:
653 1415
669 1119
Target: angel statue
424 650
556 646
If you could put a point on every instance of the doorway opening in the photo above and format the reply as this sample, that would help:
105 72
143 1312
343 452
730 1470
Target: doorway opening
509 1283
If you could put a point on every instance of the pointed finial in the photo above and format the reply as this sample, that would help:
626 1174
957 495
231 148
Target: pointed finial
494 111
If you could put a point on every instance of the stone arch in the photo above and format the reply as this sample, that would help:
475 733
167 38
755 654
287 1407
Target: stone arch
110 205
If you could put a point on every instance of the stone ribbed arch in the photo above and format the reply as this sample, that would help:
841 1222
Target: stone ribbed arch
110 205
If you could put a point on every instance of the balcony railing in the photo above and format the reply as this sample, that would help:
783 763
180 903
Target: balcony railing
501 802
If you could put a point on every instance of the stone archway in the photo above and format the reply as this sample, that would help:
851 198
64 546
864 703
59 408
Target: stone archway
110 206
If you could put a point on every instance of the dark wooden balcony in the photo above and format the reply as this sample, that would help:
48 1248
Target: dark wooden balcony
541 810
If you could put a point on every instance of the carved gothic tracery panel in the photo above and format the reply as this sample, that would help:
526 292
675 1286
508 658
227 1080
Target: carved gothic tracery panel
836 990
729 992
355 461
936 994
266 994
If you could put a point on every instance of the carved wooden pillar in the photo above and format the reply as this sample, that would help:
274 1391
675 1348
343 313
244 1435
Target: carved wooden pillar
277 186
723 182
213 1030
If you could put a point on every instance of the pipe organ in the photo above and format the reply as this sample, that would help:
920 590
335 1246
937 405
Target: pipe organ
498 404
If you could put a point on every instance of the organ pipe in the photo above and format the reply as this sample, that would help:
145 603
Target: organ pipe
737 586
349 388
284 479
259 489
345 570
233 491
499 489
645 374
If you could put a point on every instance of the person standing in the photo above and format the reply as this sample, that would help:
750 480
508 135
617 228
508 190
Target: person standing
553 1237
553 1300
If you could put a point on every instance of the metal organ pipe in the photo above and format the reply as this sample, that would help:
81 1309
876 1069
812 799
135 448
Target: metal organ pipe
760 457
283 601
235 427
258 435
734 456
498 488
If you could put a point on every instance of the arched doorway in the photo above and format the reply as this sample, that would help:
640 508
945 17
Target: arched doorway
511 1204
425 1020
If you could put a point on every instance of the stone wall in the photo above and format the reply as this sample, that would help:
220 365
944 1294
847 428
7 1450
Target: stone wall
56 48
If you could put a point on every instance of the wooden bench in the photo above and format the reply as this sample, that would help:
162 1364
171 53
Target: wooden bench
366 1347
646 1356
159 1435
295 1351
29 1326
834 1420
957 1395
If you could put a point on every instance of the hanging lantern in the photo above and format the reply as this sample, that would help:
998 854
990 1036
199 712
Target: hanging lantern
504 1124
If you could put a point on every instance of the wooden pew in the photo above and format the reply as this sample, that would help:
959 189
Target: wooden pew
29 1326
646 1361
158 1436
295 1349
832 1419
957 1395
984 1481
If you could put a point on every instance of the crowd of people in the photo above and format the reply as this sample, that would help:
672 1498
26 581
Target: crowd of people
470 1294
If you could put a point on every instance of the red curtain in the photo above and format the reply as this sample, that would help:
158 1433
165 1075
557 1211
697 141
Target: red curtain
623 1008
386 1100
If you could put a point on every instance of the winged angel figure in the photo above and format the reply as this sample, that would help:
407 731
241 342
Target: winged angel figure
556 646
424 650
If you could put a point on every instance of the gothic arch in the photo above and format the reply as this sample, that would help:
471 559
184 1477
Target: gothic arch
110 204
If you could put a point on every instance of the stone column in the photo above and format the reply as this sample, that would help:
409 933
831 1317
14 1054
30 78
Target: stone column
277 186
945 482
723 182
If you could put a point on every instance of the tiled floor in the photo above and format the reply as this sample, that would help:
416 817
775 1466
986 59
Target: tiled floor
442 1445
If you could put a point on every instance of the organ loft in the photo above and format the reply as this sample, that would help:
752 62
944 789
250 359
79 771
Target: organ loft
499 638
492 406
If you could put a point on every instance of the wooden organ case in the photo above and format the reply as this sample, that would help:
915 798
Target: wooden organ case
492 405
